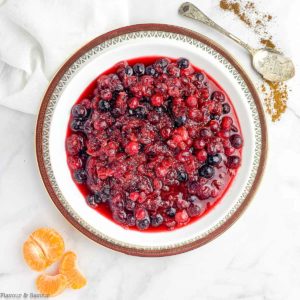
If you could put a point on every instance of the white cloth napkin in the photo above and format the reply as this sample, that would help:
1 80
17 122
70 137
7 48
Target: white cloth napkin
37 36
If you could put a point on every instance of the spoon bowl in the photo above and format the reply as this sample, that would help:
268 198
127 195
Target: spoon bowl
273 65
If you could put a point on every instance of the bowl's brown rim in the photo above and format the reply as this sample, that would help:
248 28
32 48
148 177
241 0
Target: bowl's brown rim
39 138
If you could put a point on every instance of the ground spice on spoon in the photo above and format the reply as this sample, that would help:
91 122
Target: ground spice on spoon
275 94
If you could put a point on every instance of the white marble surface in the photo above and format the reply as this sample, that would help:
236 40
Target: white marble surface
258 258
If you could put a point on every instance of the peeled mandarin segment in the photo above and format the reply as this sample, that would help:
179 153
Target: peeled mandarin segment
34 256
68 267
51 285
51 243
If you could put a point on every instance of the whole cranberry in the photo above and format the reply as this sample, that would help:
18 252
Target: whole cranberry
86 103
226 123
214 125
194 210
133 103
74 162
205 133
132 148
195 114
192 101
229 151
165 132
233 162
199 144
79 111
201 155
182 216
106 94
157 100
133 196
141 213
218 96
236 141
74 144
224 134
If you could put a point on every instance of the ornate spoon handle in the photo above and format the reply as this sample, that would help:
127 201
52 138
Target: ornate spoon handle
189 10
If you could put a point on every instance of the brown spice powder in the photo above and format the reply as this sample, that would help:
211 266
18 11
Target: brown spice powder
268 43
275 98
275 94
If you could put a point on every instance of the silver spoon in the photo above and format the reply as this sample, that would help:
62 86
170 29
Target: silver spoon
271 64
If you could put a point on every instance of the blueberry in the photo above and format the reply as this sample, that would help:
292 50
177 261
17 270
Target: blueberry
226 108
79 112
139 69
236 141
199 76
129 205
159 109
214 160
214 117
157 220
192 198
171 212
161 65
140 112
131 112
182 176
93 200
104 194
205 132
88 127
116 113
150 70
193 210
104 105
128 71
80 176
143 224
119 216
206 171
76 125
130 220
183 63
180 121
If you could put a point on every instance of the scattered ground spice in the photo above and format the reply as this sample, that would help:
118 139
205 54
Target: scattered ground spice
268 43
248 13
275 98
235 7
275 94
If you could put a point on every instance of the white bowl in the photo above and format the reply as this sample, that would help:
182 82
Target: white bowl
99 55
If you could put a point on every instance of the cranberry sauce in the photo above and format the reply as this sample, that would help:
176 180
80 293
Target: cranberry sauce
153 143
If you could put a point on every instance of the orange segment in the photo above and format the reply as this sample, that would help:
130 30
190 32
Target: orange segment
34 256
43 247
51 285
51 243
68 267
